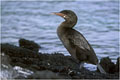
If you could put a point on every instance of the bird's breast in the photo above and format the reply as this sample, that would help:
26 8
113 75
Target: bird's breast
62 36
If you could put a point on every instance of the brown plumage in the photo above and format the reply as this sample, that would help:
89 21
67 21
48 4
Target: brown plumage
74 41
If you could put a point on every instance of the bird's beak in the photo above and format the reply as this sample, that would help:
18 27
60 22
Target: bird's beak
59 14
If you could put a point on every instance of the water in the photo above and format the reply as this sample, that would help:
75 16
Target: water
97 21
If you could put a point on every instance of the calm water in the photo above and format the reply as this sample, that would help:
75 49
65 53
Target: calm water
98 22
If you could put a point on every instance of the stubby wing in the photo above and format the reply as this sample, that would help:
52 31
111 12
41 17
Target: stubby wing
83 51
79 40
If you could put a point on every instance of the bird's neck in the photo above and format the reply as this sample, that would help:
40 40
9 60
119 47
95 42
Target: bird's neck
67 24
64 27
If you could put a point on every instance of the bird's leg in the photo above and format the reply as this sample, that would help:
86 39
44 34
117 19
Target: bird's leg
81 65
74 60
101 69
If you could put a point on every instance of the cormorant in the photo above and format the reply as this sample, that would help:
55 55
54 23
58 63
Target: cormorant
74 41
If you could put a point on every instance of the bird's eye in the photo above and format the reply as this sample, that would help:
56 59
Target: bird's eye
64 16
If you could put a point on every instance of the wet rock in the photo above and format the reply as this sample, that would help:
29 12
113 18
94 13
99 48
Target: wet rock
5 59
29 45
117 65
108 65
6 69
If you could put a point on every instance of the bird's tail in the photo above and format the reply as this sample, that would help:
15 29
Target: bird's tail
101 69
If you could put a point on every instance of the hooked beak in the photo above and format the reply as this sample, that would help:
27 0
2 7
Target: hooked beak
59 14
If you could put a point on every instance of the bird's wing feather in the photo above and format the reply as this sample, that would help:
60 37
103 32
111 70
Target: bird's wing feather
81 46
83 50
79 40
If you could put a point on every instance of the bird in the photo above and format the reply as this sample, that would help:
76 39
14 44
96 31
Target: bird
75 43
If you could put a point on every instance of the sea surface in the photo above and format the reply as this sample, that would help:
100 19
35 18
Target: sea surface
32 20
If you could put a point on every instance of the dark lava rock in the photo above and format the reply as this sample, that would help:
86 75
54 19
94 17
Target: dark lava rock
108 65
55 65
14 51
117 65
29 45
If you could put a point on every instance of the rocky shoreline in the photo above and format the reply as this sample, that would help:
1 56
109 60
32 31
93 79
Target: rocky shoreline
52 66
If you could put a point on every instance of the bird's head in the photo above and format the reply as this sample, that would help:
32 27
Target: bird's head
69 16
